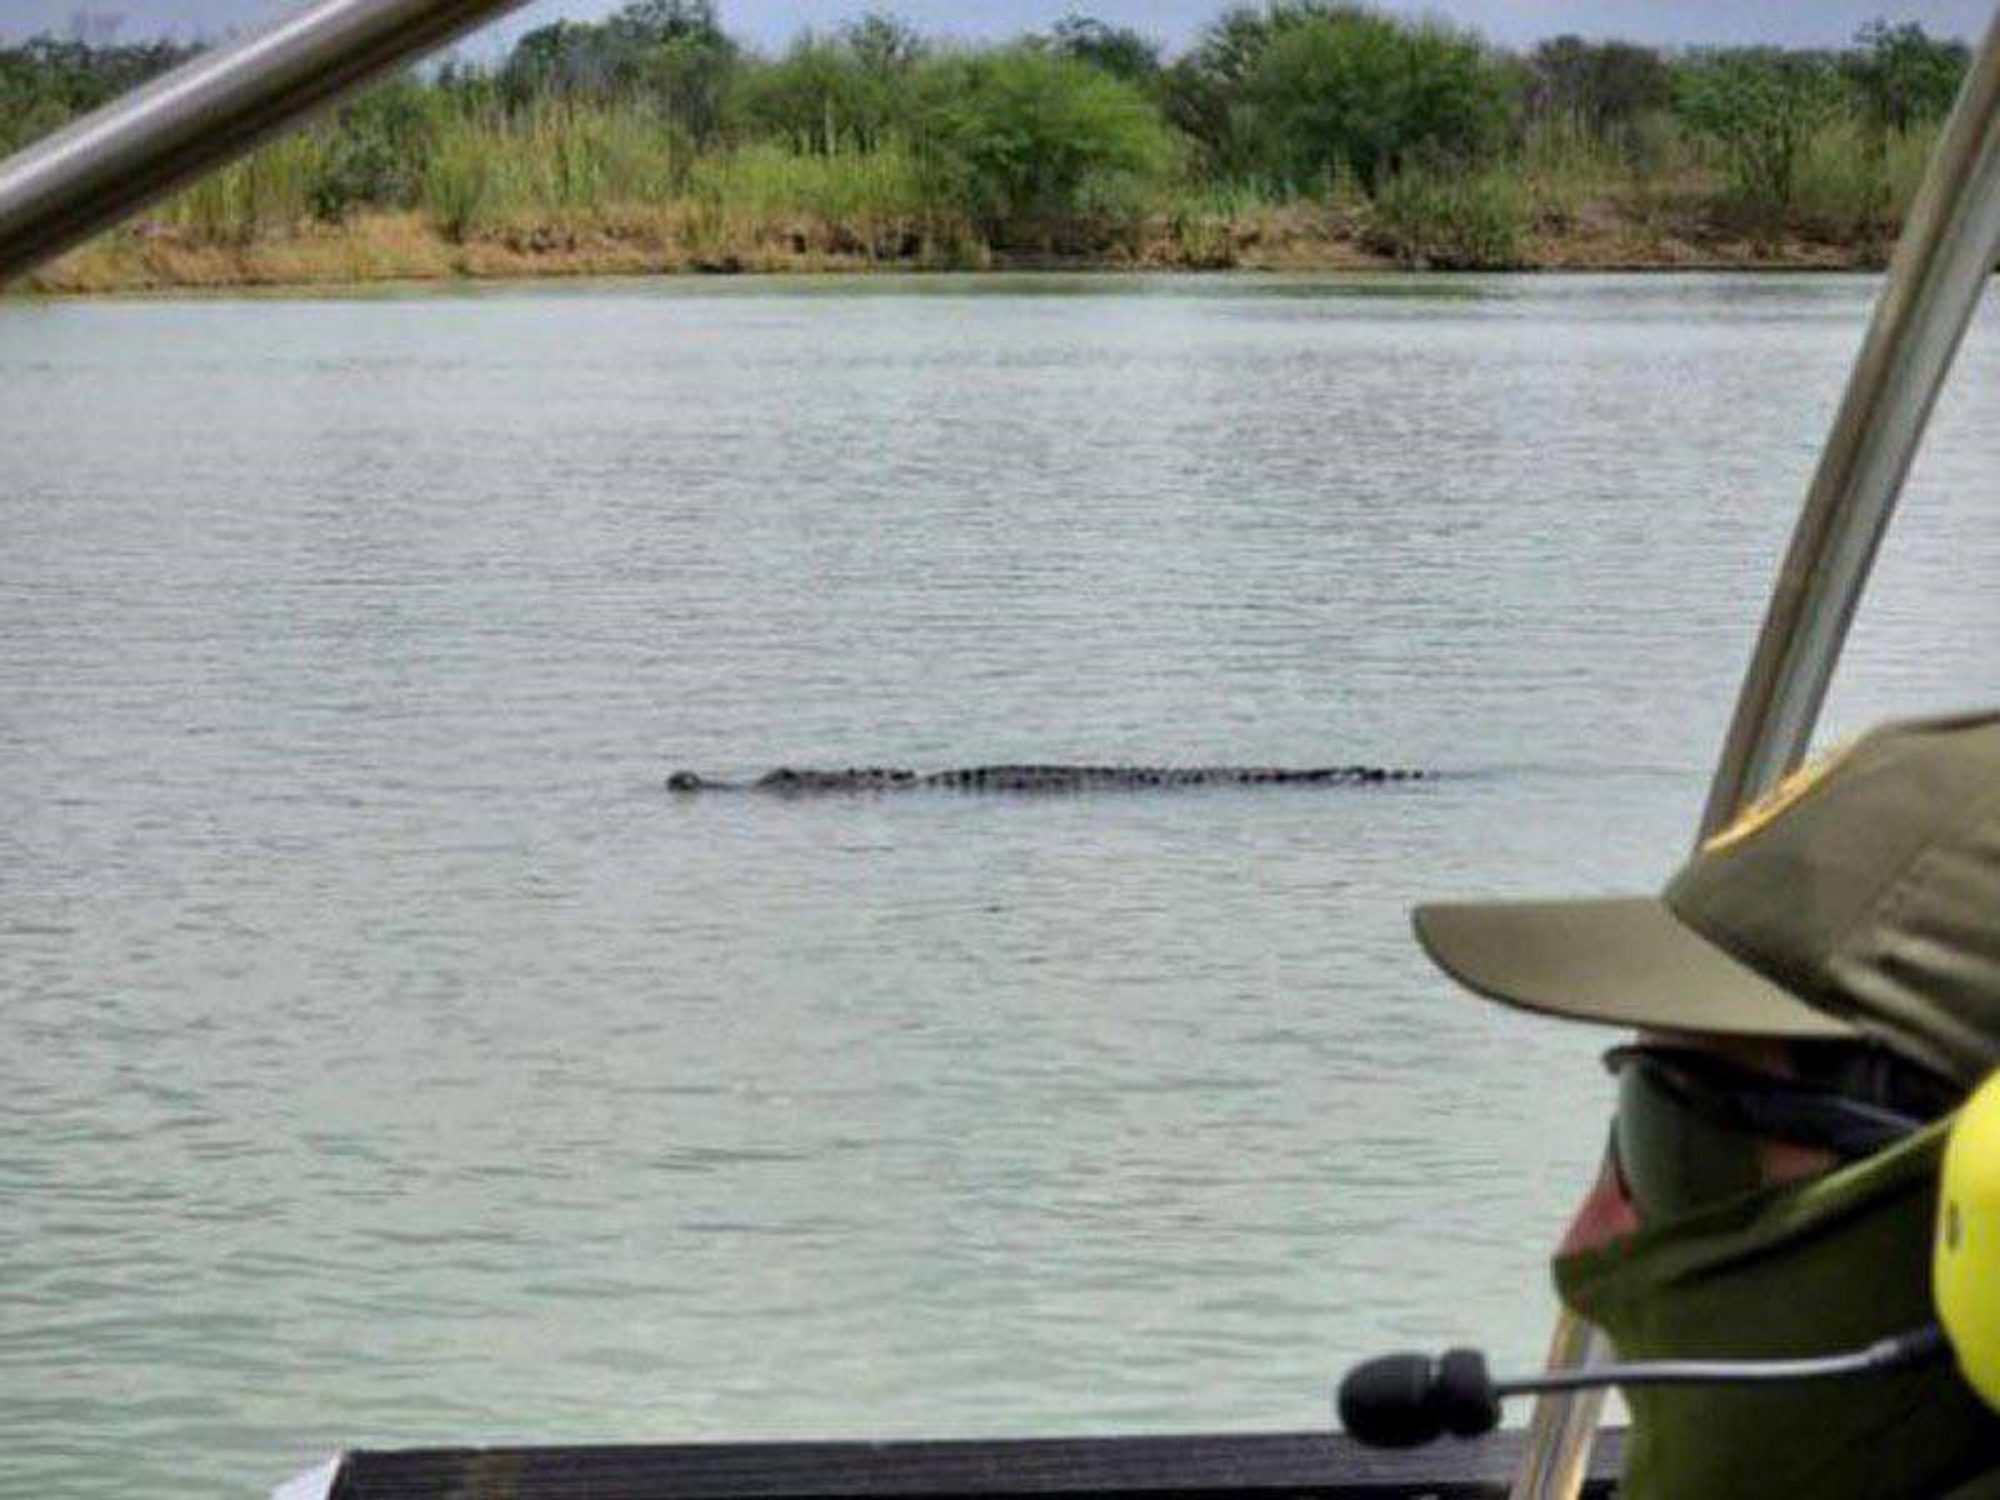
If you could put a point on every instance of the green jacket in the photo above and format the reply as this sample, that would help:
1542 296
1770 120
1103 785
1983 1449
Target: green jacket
1810 1268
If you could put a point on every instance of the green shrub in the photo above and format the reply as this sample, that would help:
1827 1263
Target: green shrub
45 82
1339 88
464 189
1762 108
1565 166
374 151
845 93
268 192
1118 50
28 120
1023 140
566 160
669 56
1855 184
1201 92
1602 88
1459 222
1839 187
765 183
1906 156
1905 78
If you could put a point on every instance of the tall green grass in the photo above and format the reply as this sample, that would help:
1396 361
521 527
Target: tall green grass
1562 168
574 167
1203 221
877 205
1857 183
1458 221
767 183
566 167
556 164
267 193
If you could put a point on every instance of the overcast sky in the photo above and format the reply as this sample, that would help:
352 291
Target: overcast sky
1513 22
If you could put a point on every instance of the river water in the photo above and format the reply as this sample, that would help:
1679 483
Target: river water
387 1058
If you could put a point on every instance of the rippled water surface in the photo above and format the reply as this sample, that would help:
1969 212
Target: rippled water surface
387 1058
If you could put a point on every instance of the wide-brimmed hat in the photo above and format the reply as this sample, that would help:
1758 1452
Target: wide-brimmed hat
1860 898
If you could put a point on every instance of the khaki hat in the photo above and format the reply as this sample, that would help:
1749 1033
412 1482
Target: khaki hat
1860 898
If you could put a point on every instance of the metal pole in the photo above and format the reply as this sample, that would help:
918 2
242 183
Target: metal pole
1555 1458
95 171
1943 261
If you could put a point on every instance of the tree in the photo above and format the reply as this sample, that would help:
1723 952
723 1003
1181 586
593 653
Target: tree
1118 50
44 82
819 97
1904 77
564 57
672 54
1026 139
376 149
687 78
884 46
1762 106
648 23
1605 87
1202 91
1337 87
847 91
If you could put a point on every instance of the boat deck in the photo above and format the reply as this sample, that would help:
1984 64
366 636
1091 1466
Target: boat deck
1311 1466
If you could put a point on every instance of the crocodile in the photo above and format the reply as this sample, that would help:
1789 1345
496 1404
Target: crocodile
787 781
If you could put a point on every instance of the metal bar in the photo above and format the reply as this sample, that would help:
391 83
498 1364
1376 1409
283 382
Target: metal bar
94 172
1556 1457
1943 261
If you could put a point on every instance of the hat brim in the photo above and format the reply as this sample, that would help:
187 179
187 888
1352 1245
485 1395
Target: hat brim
1624 962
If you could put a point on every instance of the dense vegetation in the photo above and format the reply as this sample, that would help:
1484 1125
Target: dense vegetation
1407 139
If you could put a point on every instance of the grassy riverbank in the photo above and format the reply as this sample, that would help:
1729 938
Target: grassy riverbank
1301 136
765 212
680 239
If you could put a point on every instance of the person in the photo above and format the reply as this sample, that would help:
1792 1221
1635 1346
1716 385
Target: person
1814 992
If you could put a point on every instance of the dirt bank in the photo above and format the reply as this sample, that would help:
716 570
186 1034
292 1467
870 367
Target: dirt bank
372 248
